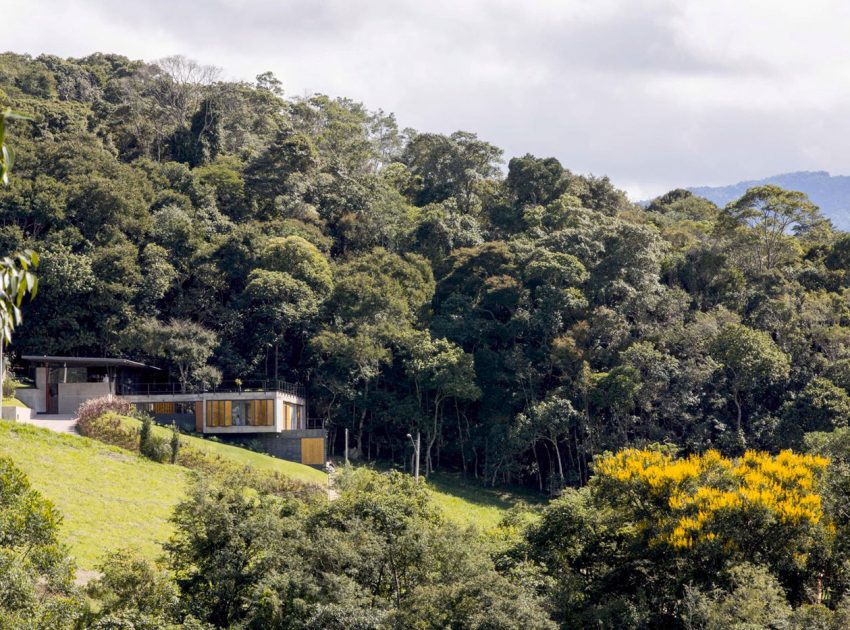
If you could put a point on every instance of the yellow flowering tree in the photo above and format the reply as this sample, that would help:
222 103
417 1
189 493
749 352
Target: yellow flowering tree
650 526
709 500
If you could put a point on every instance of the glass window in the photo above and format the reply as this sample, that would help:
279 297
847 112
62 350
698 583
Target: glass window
241 413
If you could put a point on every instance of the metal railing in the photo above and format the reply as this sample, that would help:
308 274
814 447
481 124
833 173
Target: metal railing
315 423
229 387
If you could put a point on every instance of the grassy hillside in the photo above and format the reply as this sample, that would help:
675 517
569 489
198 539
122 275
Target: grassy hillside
109 498
466 502
243 456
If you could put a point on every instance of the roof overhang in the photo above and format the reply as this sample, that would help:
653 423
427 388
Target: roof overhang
85 361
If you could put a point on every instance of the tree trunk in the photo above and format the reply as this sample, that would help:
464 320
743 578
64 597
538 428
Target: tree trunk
738 406
558 458
537 461
360 432
432 436
460 439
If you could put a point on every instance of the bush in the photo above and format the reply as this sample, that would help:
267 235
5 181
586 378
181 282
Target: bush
9 386
133 591
175 442
93 409
154 447
109 429
36 574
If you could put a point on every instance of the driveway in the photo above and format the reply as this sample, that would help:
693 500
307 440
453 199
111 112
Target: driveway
61 423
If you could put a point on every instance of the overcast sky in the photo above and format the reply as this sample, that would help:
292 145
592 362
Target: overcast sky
656 94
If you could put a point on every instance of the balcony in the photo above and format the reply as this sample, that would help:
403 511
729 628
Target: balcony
225 387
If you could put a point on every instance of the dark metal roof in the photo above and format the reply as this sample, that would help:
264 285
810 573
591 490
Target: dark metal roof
86 361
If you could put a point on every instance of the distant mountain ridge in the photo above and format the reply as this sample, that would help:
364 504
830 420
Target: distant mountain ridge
830 192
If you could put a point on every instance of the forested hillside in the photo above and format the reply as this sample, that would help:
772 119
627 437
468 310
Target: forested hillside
523 317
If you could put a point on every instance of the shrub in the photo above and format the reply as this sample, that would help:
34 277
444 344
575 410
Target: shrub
93 409
109 429
9 386
145 433
154 447
36 574
157 449
132 593
175 442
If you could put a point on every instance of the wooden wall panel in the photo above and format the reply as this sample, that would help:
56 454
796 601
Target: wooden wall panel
199 417
313 451
262 413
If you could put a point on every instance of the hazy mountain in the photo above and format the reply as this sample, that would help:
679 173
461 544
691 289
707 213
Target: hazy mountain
830 192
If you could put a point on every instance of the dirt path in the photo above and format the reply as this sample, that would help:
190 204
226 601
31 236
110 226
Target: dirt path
333 494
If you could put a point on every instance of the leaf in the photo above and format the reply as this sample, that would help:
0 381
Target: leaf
13 115
8 156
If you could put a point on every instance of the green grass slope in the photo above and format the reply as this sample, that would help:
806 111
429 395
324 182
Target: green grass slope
466 502
257 461
109 498
112 499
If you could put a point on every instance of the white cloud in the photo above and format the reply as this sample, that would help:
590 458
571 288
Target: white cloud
654 93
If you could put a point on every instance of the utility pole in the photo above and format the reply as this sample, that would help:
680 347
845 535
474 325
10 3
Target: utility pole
416 445
346 447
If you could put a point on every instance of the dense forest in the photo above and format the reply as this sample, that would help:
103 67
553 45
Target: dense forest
521 316
677 374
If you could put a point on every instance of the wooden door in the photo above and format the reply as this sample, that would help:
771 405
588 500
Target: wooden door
313 451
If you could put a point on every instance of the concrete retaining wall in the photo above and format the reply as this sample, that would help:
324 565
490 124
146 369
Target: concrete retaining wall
15 413
32 398
285 445
72 395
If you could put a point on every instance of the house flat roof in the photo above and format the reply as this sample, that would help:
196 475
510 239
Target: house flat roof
85 361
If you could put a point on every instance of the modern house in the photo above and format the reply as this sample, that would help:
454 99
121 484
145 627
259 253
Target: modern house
62 384
271 414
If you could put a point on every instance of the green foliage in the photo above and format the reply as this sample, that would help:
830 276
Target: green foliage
175 442
186 345
655 541
763 216
523 320
35 572
9 387
7 154
820 406
154 447
751 361
131 592
380 556
754 600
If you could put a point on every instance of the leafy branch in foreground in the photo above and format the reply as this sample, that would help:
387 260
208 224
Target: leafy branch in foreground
16 277
7 155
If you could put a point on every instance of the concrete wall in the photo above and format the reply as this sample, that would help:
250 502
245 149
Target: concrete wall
285 445
15 413
72 395
35 397
32 398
